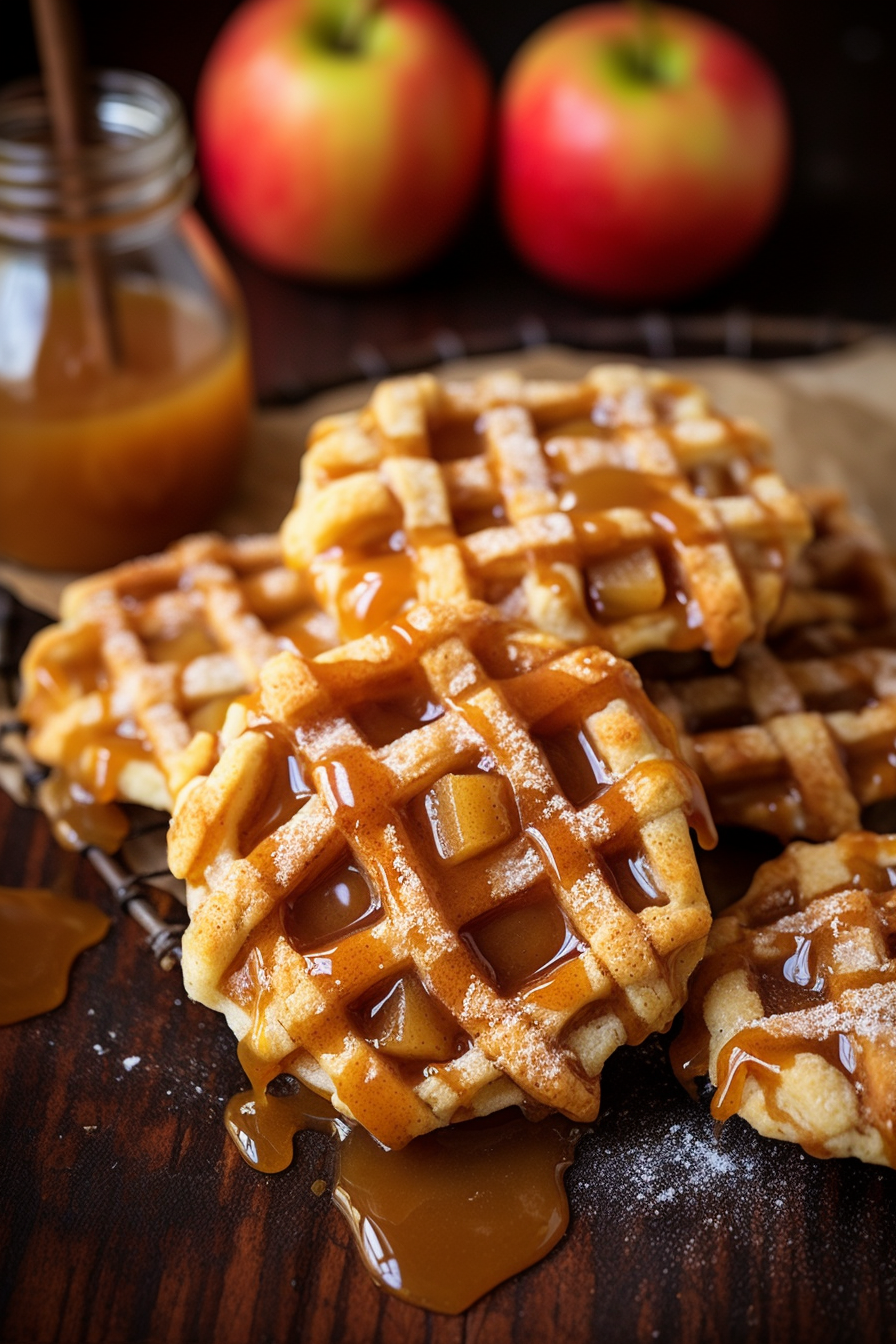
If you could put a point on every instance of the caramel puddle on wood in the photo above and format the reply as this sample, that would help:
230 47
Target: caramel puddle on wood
445 1219
41 933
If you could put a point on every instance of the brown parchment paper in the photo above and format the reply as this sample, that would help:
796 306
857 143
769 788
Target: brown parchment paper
832 419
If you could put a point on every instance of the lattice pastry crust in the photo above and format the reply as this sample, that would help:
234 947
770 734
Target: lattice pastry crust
796 747
442 869
124 697
842 587
621 510
793 1011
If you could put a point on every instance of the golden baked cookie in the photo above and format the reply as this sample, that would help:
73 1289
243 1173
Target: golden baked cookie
442 869
794 746
125 695
842 587
621 510
793 1011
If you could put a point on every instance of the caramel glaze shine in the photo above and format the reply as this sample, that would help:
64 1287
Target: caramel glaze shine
793 972
354 782
454 1212
441 1221
41 933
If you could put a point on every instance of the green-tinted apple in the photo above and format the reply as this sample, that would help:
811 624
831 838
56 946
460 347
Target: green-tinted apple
642 151
342 139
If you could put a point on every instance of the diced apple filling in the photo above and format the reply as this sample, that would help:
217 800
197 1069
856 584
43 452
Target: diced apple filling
627 585
469 815
520 941
408 1024
209 718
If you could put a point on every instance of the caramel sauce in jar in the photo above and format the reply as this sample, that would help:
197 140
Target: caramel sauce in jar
97 467
445 1219
124 376
41 934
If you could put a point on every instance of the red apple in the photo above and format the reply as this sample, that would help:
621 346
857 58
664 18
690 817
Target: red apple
641 152
339 139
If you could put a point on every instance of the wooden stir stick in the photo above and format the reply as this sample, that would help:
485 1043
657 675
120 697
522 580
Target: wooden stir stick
59 44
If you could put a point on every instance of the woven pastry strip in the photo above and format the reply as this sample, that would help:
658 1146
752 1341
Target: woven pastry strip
793 1011
797 747
621 510
523 937
842 588
125 695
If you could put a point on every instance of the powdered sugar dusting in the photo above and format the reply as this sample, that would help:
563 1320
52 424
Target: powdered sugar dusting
663 1161
656 1171
868 1013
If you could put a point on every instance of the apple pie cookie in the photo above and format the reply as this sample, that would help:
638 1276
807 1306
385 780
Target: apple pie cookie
125 695
842 587
792 1014
795 747
800 734
621 510
442 869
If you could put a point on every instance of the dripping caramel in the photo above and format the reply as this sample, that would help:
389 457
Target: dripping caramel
439 1222
437 931
824 985
41 934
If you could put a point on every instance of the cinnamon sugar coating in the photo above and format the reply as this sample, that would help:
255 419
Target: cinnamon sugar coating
792 1013
622 510
393 896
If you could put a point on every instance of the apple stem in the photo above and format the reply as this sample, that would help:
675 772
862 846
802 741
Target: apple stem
646 43
357 12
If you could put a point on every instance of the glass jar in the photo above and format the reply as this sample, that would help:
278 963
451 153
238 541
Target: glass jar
115 441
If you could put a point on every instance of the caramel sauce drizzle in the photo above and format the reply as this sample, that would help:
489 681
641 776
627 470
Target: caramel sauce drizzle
352 782
793 972
453 1213
378 579
588 494
376 583
41 934
286 792
437 1223
606 487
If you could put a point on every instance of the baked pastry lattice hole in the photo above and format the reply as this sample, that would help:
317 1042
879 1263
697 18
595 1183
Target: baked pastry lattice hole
437 931
622 510
793 1011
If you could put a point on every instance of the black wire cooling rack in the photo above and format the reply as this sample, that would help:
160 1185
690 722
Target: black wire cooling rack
137 876
734 334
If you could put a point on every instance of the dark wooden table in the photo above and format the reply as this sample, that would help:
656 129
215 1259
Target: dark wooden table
126 1214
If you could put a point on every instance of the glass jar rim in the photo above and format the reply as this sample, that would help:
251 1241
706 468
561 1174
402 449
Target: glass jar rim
139 159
